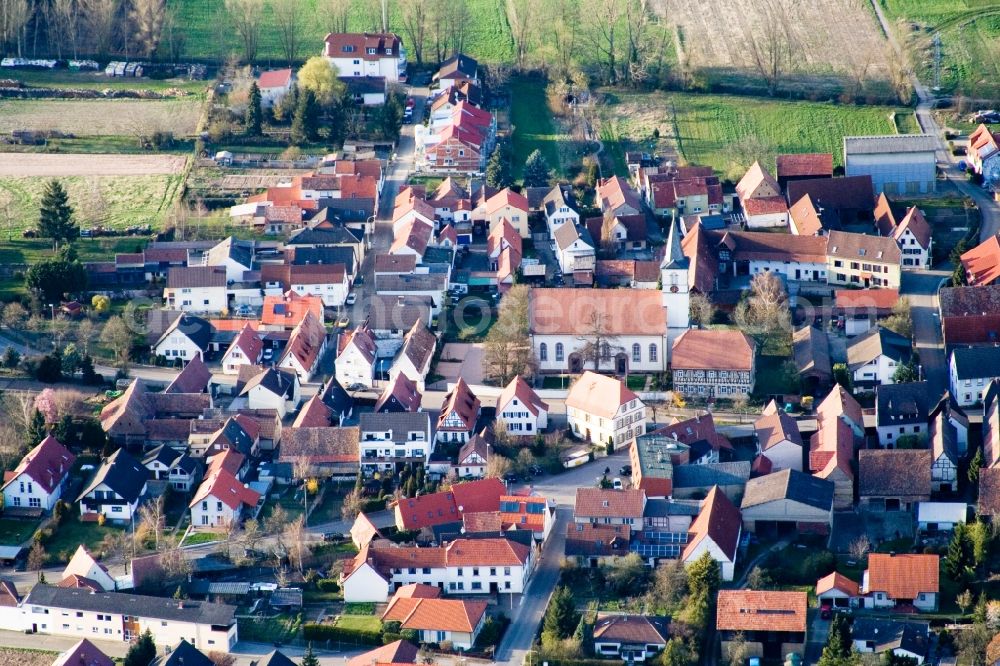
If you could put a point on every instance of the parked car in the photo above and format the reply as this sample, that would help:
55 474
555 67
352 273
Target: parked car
268 354
344 322
625 470
510 478
617 484
351 299
825 610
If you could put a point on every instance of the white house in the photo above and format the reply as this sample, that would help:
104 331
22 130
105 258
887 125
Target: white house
84 565
874 356
575 249
970 371
456 70
39 479
391 440
896 578
235 256
328 281
907 639
778 438
603 411
454 621
901 410
356 363
246 349
118 616
222 500
715 531
196 289
558 207
459 413
473 456
944 452
168 464
116 489
521 410
187 337
273 389
305 348
415 356
760 196
562 323
633 638
366 54
274 85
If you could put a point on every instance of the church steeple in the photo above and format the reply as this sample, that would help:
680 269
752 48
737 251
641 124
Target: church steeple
674 255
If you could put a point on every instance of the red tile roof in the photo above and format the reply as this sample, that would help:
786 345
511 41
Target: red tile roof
288 310
876 299
398 652
598 394
573 311
519 389
448 506
757 183
462 403
404 391
506 197
522 518
229 460
804 164
765 206
982 263
607 503
249 343
804 218
840 403
355 45
775 427
436 614
719 349
306 342
915 221
760 610
47 464
718 520
903 576
696 428
275 78
225 487
314 414
837 581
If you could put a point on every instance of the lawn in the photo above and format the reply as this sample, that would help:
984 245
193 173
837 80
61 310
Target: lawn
100 117
109 201
329 510
30 250
195 538
359 622
207 30
73 533
286 500
272 630
970 42
14 532
534 128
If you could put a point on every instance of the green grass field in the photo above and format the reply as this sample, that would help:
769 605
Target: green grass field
359 622
73 533
208 34
110 201
62 78
728 132
534 128
14 532
970 42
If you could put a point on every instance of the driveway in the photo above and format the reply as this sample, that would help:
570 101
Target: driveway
921 288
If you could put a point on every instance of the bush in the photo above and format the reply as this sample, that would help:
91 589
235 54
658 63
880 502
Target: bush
329 632
328 585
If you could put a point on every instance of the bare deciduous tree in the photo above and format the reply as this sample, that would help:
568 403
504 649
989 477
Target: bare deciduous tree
100 17
151 517
769 42
860 547
246 17
498 466
36 558
147 18
598 343
603 20
287 17
701 310
763 314
336 13
14 17
508 346
521 16
294 539
352 505
415 17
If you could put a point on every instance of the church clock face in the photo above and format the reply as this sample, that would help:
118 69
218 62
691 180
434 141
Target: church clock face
673 289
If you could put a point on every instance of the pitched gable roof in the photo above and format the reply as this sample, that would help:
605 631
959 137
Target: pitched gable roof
608 503
902 576
83 653
419 345
225 487
804 217
917 224
712 349
840 403
757 183
121 473
894 472
47 464
775 427
196 329
519 389
877 342
462 403
837 581
789 484
797 165
314 414
405 393
193 378
435 614
761 610
598 394
398 652
306 342
718 520
249 343
320 445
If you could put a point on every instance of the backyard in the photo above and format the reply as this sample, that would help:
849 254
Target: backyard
73 533
14 532
534 127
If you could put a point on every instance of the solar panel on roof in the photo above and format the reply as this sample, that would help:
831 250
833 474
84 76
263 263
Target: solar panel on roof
279 308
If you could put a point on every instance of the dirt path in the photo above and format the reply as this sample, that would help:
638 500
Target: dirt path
24 165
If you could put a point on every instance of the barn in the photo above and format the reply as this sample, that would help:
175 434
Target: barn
787 502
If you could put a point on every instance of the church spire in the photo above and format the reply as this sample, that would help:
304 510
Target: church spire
674 257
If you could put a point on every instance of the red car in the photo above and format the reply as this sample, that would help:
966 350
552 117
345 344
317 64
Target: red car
825 610
410 103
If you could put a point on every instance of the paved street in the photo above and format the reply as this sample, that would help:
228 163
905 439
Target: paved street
921 288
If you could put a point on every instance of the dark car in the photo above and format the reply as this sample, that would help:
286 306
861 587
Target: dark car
626 470
510 478
825 610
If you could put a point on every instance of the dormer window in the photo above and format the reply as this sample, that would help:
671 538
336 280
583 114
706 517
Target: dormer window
372 51
604 503
388 51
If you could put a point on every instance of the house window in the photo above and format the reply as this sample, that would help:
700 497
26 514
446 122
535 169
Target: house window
116 509
543 352
652 353
559 351
636 353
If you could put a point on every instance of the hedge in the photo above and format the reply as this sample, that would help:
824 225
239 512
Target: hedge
373 505
328 585
329 632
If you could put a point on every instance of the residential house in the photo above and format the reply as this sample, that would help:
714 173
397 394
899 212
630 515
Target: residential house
772 623
367 90
840 404
811 354
991 425
713 363
526 512
415 356
83 565
560 208
895 479
653 457
139 415
473 456
305 348
425 511
459 413
186 338
506 205
831 457
366 54
562 323
40 478
908 640
399 395
397 652
837 591
328 281
457 70
897 163
83 653
760 197
196 289
246 349
603 411
861 309
222 500
326 452
616 233
912 234
862 261
182 654
778 438
392 440
901 410
355 365
272 388
411 240
787 502
944 452
715 531
838 201
274 85
637 274
634 638
616 197
437 621
874 356
984 153
235 256
802 166
285 312
609 507
125 616
971 369
575 249
412 288
970 315
115 490
179 468
958 419
901 580
520 409
806 219
982 263
699 435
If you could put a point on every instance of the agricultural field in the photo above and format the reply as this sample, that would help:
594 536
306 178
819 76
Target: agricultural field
970 42
65 79
820 30
56 164
110 201
101 117
728 133
209 35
